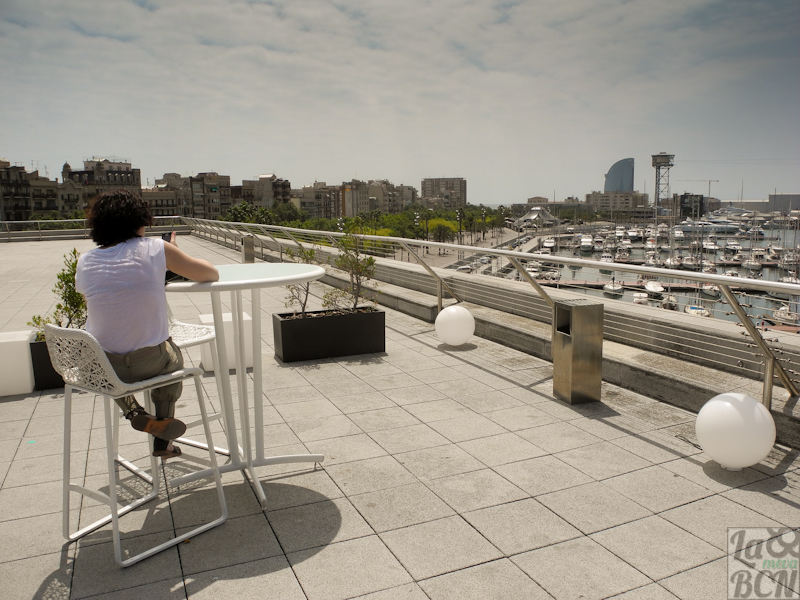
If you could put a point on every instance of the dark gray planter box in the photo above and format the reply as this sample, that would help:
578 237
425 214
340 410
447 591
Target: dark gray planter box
45 376
328 335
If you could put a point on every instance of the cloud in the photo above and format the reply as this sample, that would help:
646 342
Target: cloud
519 97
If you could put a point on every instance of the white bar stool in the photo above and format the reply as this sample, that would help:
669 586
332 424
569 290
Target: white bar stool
186 335
83 364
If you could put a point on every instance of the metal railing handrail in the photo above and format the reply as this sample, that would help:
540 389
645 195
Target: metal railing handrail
279 237
739 282
772 366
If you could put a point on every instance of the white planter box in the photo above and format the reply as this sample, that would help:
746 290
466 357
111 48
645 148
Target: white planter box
206 360
16 370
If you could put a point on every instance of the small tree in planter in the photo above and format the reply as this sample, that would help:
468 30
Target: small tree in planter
361 268
70 311
344 328
297 299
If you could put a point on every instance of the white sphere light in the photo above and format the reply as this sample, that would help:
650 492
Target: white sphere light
455 325
735 430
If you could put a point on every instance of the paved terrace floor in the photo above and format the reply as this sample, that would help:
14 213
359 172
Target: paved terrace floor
450 473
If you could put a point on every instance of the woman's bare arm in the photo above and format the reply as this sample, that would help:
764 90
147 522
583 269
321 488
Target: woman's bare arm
192 268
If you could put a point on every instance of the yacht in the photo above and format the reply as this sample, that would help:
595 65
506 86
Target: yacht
548 275
640 297
652 260
785 316
587 243
784 295
733 246
751 264
691 263
710 246
650 243
654 288
549 243
710 290
696 310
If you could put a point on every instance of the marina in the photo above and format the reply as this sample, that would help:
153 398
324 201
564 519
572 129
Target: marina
720 247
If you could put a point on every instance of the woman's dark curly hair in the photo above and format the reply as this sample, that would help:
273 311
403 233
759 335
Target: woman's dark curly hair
115 216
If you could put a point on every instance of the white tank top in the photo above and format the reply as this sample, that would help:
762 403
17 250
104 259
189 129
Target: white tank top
125 297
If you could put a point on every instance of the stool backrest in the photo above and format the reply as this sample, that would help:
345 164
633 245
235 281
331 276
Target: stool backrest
77 356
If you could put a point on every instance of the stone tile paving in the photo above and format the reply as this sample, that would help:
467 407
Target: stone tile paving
448 475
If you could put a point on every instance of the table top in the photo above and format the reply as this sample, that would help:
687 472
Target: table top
251 275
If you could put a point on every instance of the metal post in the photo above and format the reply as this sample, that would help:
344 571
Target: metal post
532 281
433 274
766 351
769 374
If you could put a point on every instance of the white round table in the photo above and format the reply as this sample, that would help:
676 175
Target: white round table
234 278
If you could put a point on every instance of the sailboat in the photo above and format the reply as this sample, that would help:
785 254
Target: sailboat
613 288
669 302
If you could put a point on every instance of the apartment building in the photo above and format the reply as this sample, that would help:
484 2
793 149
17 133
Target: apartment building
24 194
355 198
320 201
103 174
16 203
211 195
444 192
263 192
622 201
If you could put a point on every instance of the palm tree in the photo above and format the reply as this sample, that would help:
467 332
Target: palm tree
442 233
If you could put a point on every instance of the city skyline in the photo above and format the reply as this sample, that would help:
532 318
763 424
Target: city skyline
521 99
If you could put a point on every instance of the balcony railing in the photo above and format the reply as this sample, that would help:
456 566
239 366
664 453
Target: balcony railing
739 340
732 342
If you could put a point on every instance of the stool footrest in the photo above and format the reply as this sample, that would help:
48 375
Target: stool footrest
93 494
107 519
134 469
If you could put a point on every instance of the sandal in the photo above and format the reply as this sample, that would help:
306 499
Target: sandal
167 451
165 429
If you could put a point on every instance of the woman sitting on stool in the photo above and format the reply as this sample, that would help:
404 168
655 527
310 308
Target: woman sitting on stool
123 283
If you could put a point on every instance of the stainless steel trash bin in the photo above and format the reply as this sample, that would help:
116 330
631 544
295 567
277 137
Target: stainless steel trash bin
577 346
248 249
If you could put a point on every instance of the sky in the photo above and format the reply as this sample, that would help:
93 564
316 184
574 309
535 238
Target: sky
521 98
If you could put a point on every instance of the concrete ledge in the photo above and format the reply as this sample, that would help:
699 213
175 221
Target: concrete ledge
674 372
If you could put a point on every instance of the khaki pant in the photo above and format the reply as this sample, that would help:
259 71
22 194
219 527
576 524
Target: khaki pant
145 363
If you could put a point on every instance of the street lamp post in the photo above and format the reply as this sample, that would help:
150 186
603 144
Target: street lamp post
458 218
